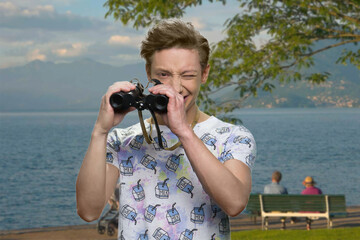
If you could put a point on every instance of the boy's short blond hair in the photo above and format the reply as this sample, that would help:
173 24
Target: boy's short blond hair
174 34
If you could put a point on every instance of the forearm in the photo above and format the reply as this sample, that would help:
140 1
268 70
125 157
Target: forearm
230 192
91 181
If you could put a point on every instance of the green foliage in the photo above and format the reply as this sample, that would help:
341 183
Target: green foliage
144 13
315 234
293 31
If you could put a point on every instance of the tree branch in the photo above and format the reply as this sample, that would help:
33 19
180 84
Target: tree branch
340 15
352 3
330 46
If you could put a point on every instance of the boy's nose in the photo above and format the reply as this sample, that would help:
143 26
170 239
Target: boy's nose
176 84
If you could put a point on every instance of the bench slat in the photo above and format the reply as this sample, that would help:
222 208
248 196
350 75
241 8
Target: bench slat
294 203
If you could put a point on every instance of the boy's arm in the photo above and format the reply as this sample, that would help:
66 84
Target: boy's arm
96 179
229 183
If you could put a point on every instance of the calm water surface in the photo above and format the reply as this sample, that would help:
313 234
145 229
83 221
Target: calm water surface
41 154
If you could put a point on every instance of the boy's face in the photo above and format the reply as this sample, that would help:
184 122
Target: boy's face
181 69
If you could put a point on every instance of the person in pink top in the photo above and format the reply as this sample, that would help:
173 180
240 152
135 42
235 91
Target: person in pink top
310 189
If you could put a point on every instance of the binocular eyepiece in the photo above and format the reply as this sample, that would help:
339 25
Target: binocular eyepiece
136 98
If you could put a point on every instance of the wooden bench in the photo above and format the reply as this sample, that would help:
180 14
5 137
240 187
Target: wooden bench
253 208
310 206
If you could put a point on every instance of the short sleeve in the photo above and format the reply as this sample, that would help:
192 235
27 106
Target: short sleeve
241 145
113 146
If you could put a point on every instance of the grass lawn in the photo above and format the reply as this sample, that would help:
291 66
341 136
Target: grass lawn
316 234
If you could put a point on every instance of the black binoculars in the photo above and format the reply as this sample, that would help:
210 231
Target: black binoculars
136 98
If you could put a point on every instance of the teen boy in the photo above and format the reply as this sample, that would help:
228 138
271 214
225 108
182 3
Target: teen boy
185 193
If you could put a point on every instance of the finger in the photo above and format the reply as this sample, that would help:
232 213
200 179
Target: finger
121 86
118 87
164 90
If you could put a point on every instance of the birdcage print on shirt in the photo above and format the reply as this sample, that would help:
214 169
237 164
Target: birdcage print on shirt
162 190
137 142
156 143
138 192
222 130
144 236
173 162
224 226
109 157
185 185
126 167
150 213
129 213
250 159
187 234
161 234
214 208
149 162
209 139
243 140
173 216
225 155
115 142
198 214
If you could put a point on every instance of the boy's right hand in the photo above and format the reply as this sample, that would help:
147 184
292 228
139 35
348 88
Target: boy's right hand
107 118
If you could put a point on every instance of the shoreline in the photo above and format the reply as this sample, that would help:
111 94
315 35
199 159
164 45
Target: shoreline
239 223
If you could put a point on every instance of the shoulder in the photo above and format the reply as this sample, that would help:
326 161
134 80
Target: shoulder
121 135
227 141
219 127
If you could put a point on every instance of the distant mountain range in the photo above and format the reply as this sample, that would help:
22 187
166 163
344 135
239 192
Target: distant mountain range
46 86
342 89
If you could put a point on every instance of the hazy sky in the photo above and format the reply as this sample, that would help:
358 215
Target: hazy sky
66 30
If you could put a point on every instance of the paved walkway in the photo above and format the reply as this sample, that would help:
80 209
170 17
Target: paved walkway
241 223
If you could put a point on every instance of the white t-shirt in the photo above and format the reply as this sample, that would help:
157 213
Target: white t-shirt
160 195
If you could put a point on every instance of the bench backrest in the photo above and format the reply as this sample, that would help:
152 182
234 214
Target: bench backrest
296 203
337 205
253 206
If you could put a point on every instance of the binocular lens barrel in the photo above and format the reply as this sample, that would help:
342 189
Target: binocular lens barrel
158 103
123 100
120 101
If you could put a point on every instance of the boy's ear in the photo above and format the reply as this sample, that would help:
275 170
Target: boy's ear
205 74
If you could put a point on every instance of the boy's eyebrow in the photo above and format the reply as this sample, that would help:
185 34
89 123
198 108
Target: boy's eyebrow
162 69
189 71
186 71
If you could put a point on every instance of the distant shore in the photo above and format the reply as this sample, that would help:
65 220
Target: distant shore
240 223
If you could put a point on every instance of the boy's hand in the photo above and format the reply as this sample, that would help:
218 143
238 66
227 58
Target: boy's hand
107 118
175 118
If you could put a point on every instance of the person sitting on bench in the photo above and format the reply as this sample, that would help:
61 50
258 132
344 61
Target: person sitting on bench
310 189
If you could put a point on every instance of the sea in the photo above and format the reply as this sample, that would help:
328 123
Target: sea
41 153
